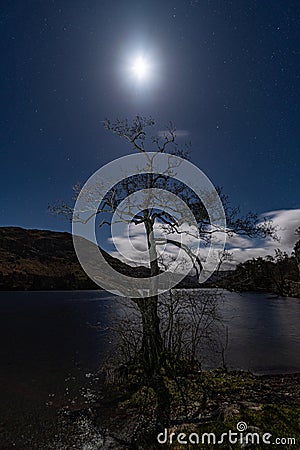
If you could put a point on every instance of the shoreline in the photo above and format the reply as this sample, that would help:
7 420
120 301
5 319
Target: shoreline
229 398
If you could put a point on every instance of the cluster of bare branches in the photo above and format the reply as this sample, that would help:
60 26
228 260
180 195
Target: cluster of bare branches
190 325
189 322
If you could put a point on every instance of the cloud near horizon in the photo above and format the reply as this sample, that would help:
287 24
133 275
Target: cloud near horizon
241 247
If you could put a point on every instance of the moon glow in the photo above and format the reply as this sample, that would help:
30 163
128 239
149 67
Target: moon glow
140 68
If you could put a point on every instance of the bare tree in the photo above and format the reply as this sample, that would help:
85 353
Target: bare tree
153 344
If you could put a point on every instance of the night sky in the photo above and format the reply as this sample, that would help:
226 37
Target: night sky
225 72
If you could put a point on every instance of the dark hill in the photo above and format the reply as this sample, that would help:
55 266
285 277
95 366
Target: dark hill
42 259
45 260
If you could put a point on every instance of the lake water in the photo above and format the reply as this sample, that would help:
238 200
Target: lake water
50 344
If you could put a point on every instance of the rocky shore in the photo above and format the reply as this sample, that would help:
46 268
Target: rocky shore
213 401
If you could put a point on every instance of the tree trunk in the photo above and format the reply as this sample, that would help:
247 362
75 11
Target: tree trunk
153 358
152 342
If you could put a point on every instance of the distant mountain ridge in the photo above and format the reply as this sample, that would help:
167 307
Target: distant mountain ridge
43 259
46 260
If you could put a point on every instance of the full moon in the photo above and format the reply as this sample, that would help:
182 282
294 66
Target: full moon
140 68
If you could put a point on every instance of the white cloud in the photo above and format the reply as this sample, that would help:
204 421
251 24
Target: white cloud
131 244
286 221
133 250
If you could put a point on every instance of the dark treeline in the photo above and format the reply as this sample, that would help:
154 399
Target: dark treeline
276 273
